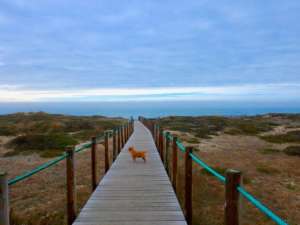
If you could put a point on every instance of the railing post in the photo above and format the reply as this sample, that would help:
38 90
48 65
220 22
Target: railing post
132 126
4 199
119 140
174 161
106 158
125 134
152 128
158 137
126 131
122 136
233 180
154 133
129 133
161 144
114 145
93 163
71 185
167 152
188 185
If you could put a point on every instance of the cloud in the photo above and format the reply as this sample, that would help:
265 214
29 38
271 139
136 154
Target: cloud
53 44
10 93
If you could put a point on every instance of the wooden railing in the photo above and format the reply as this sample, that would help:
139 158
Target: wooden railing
232 180
119 137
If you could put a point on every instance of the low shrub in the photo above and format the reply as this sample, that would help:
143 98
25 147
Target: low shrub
249 126
269 151
267 169
42 143
292 150
292 136
7 131
193 140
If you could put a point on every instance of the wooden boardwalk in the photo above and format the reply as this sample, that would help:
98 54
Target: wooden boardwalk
134 193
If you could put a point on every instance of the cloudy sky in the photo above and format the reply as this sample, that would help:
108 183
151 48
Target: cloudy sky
68 50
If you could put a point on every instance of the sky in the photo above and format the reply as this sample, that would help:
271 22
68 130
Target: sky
74 50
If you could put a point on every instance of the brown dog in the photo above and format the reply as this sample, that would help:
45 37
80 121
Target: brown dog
137 154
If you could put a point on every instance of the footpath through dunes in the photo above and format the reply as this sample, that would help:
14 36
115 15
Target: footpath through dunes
133 193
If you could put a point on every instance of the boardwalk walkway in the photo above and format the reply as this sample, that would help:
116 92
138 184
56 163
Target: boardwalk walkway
134 193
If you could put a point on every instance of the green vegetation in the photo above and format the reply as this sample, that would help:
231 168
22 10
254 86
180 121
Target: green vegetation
201 127
49 134
7 131
250 125
47 145
206 126
267 169
291 186
292 150
291 136
193 140
24 123
269 151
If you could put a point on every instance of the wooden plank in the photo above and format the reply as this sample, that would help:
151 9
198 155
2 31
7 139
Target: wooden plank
134 193
131 216
135 223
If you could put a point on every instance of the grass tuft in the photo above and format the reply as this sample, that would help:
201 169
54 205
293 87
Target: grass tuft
269 151
267 169
292 136
47 145
292 150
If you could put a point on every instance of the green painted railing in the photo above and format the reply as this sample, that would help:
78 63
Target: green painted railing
46 165
254 201
53 162
119 137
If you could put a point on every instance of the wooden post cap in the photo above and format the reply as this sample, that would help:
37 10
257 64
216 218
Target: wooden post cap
69 148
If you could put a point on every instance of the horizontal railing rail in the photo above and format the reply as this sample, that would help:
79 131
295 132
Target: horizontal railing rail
161 136
46 165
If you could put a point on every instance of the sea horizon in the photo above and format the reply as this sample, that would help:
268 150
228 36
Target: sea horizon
153 108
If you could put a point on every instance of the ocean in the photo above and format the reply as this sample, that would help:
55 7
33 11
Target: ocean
153 109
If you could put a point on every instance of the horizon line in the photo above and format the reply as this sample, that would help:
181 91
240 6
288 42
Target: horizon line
270 91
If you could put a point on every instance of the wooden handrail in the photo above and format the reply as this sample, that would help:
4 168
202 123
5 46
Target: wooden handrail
119 136
233 177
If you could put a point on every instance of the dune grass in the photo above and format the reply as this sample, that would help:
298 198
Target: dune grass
289 137
292 150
